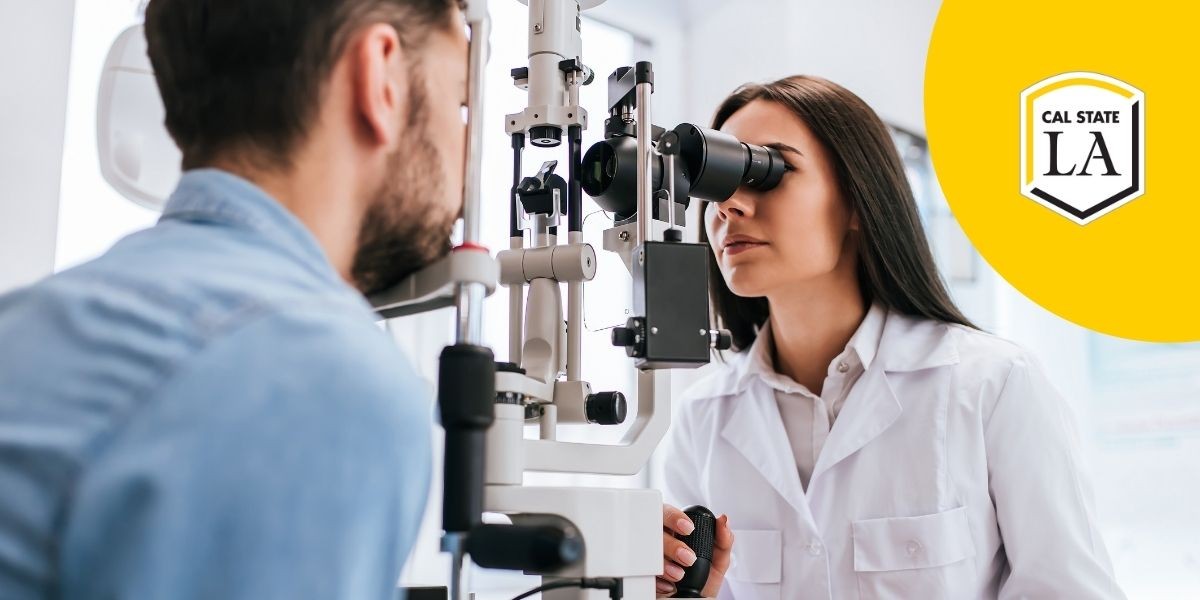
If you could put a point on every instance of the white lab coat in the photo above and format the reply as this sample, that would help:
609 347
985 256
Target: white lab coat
953 471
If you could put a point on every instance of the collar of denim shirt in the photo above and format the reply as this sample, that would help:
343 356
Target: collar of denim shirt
220 197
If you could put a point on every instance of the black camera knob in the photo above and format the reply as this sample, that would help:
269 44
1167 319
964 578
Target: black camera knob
606 408
624 336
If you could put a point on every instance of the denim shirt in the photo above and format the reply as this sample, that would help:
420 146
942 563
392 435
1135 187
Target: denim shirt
206 411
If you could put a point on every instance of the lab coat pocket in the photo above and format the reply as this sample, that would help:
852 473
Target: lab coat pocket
915 557
757 564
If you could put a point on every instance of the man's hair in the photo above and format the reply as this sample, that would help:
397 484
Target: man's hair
247 76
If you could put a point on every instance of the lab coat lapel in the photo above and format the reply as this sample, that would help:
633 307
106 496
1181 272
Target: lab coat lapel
869 410
906 344
756 430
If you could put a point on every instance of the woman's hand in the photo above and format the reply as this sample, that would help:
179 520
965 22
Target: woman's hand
676 554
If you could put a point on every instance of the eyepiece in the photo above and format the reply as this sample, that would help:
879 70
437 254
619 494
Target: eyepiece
711 165
717 163
765 167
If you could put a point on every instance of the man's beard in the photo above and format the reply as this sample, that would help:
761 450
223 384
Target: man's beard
407 225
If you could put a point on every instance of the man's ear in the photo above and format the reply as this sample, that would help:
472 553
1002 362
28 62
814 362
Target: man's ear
380 83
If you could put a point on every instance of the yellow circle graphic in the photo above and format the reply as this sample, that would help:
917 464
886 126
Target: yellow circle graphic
1063 135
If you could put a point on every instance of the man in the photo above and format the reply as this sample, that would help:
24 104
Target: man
208 410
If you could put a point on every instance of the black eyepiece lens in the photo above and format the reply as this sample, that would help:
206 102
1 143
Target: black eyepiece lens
717 163
764 167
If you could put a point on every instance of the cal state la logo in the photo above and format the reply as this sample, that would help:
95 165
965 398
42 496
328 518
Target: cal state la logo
1082 144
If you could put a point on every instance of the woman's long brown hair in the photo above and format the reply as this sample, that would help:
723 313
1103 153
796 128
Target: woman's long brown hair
895 266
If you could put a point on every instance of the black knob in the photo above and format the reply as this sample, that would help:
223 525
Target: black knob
673 235
624 336
632 336
701 542
606 408
668 143
538 548
724 340
545 136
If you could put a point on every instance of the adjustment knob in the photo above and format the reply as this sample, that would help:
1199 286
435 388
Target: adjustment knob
632 337
624 336
721 339
545 136
606 408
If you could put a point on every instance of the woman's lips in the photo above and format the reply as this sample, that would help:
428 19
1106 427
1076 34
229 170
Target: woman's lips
737 248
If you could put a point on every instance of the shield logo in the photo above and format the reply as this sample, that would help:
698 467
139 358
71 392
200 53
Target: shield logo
1082 144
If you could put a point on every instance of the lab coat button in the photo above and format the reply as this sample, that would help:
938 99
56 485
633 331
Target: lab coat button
814 548
913 547
842 367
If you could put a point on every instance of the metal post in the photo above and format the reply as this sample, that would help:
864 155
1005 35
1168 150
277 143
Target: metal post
516 241
478 59
645 185
469 297
669 175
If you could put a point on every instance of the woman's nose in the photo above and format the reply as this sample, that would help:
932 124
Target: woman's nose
739 204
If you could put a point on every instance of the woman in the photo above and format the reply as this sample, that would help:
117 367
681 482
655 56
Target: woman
866 440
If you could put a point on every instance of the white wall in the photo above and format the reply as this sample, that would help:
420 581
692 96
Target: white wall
659 28
35 51
876 48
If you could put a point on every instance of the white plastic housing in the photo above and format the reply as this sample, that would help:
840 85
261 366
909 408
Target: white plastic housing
137 155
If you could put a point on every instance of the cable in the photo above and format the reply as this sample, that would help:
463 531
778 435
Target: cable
614 587
594 213
551 586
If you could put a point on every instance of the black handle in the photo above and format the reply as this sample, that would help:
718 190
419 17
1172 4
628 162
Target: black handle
466 393
539 548
701 542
